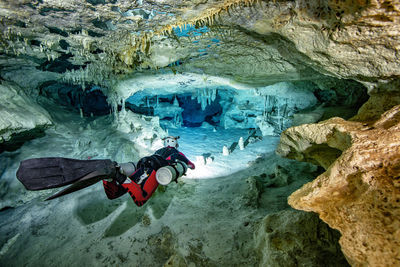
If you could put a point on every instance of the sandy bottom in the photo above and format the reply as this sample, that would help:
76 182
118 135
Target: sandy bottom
198 222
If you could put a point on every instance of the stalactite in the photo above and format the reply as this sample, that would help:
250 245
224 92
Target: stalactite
278 110
143 44
123 106
265 106
214 95
285 110
208 17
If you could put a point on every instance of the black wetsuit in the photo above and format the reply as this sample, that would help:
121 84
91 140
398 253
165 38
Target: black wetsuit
141 189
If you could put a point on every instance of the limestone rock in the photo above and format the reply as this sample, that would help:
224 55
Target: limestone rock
176 261
318 143
271 41
20 117
353 40
359 194
376 105
144 131
252 195
27 76
308 117
286 237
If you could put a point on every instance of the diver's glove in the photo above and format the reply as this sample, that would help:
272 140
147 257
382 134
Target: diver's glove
122 171
152 162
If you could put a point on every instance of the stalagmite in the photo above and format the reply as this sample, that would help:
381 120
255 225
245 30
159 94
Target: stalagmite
225 151
241 143
176 102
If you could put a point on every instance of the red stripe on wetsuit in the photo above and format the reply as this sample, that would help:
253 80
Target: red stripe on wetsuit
140 193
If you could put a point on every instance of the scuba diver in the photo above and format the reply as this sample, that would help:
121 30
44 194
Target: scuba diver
165 165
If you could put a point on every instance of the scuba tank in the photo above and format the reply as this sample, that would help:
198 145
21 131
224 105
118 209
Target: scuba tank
167 174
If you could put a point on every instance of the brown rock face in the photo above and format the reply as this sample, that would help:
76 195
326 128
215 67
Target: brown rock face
359 194
297 238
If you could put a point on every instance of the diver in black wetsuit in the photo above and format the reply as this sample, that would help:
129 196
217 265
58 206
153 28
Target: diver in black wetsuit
165 165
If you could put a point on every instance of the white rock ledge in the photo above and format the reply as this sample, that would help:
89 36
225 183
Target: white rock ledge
19 114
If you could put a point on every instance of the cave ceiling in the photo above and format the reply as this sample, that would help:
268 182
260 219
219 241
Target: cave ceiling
254 42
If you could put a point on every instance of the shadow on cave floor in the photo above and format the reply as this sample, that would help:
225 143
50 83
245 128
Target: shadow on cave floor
212 220
91 208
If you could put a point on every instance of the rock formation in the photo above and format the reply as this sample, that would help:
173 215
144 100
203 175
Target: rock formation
359 194
271 41
21 118
284 238
335 45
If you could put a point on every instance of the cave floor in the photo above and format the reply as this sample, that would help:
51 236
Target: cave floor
206 222
204 145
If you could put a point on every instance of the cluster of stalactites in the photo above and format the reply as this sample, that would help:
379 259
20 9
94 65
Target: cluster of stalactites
131 54
209 16
275 110
14 42
91 74
205 96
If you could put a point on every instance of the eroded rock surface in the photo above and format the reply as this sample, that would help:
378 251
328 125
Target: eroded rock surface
284 238
359 194
271 41
20 117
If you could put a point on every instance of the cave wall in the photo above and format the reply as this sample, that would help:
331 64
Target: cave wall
21 117
284 238
271 41
258 43
358 194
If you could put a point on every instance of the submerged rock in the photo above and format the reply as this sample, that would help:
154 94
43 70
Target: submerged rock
21 119
294 238
359 192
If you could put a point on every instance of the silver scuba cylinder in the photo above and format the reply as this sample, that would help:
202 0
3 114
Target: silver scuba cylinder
127 168
167 174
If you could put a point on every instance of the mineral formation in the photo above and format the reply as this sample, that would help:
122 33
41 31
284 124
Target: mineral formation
359 193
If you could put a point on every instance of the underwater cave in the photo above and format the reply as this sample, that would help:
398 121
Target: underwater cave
287 110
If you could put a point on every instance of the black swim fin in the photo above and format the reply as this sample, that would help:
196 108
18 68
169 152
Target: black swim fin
46 173
84 182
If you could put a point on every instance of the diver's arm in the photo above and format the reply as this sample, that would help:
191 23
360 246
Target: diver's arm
186 160
112 186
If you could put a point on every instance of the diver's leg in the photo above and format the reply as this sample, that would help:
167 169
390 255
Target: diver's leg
113 189
140 193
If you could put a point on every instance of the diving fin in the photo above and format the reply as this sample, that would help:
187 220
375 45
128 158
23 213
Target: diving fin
84 182
52 172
